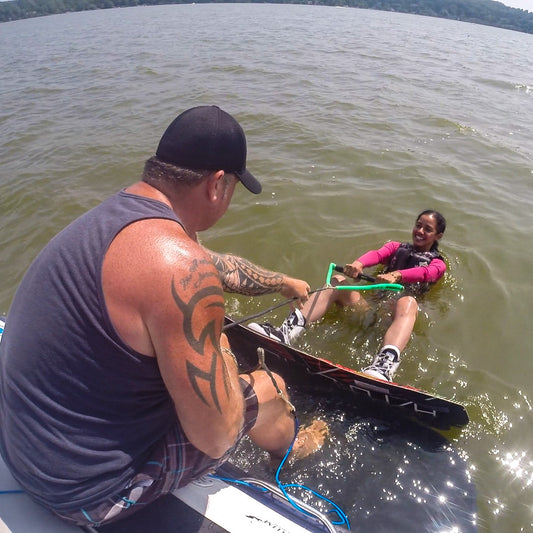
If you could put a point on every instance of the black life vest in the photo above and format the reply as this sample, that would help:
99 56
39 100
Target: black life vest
407 257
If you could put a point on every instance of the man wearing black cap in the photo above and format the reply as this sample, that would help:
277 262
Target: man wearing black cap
116 383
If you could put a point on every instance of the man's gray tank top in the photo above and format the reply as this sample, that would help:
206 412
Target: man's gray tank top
78 407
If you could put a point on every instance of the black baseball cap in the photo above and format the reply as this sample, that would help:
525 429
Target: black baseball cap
207 138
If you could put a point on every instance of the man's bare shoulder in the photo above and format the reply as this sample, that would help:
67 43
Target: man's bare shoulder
150 266
153 248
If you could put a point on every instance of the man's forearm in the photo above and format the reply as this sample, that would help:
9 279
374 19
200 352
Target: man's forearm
241 276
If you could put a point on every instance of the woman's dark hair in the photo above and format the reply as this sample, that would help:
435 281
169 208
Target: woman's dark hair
440 220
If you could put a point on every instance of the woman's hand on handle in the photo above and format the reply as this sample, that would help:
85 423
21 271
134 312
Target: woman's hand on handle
390 277
353 270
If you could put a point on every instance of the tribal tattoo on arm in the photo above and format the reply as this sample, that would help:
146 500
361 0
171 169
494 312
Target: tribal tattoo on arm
241 276
204 338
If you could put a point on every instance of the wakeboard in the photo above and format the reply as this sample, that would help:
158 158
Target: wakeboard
311 373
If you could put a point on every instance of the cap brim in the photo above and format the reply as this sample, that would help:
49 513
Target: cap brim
248 180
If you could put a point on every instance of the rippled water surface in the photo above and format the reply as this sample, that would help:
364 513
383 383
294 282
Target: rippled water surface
356 121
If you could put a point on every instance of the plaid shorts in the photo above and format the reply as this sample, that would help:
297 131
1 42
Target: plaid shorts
175 462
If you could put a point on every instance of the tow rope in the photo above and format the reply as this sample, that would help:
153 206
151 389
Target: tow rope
327 287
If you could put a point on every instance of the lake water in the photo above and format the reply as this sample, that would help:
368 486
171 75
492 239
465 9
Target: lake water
356 121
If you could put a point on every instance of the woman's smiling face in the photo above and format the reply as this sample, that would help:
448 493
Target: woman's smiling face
425 233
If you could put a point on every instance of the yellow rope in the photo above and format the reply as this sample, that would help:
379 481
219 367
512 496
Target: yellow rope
262 364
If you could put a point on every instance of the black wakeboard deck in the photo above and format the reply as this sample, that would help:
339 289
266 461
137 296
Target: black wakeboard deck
314 374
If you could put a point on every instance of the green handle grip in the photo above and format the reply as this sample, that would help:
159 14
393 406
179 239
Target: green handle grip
376 286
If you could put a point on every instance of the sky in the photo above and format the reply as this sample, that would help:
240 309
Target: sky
522 4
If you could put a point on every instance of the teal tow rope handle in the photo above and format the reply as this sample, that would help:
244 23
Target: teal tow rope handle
374 286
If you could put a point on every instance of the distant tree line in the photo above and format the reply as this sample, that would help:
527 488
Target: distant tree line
487 12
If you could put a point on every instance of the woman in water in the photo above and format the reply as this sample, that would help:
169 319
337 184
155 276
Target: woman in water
416 265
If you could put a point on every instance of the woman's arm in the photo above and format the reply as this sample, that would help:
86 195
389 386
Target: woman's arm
429 274
371 258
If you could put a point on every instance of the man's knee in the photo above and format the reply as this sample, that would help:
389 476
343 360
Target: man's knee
272 381
266 384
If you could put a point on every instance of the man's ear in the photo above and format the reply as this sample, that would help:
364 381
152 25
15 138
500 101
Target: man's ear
215 185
